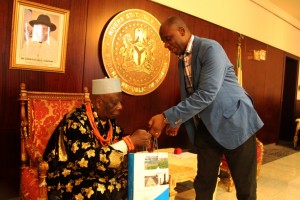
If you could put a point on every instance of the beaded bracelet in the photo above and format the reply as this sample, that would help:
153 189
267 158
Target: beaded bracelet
129 143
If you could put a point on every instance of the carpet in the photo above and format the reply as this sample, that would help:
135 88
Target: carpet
276 151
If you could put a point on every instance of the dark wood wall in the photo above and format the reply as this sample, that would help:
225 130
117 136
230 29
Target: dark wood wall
263 80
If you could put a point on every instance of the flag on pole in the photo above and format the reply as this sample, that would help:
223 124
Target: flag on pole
239 65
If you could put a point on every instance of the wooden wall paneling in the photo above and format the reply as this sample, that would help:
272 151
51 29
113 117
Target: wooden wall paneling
5 20
227 38
98 14
273 95
9 140
259 82
70 81
254 73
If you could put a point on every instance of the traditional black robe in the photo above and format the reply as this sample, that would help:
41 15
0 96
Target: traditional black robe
79 166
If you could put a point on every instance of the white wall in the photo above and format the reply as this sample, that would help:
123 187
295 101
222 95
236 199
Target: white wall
257 19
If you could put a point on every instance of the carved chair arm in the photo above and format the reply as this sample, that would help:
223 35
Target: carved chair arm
36 159
35 156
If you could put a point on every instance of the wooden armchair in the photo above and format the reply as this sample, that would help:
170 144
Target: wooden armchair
41 112
224 169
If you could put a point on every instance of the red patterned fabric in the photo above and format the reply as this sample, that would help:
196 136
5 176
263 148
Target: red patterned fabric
46 115
259 150
224 162
259 153
29 183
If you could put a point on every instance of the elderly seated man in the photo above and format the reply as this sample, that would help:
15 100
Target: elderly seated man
86 151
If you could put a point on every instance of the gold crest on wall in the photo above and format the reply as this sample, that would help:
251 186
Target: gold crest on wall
133 51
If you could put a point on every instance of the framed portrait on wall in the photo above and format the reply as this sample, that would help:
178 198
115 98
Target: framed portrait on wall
39 37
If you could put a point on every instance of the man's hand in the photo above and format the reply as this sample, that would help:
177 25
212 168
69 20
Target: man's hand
156 125
140 137
170 131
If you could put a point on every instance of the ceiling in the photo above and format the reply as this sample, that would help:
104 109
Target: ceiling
292 7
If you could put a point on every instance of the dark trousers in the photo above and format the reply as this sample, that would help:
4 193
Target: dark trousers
242 163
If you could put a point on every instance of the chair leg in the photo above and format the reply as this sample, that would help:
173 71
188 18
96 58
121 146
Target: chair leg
295 141
227 179
296 133
230 183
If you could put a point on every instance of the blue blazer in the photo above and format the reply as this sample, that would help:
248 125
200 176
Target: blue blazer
222 104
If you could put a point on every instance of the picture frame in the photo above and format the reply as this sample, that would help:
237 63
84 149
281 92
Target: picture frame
39 37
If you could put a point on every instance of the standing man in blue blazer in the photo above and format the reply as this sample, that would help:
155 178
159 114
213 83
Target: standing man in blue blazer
217 112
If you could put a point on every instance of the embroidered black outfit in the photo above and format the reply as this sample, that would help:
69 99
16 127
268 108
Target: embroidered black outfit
79 166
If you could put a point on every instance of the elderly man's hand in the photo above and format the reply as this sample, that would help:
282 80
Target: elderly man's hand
156 125
140 137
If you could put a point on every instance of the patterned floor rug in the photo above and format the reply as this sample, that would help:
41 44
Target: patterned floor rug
275 151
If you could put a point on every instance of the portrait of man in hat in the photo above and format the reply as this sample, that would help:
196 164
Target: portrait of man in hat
42 27
39 45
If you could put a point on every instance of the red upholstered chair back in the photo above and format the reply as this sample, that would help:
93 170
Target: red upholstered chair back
45 113
41 112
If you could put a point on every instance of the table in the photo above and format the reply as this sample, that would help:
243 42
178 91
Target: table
182 167
179 174
296 132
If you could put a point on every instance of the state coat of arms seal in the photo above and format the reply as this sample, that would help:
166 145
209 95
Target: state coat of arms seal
132 51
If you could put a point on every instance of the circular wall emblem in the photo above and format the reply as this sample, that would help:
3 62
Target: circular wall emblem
132 51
